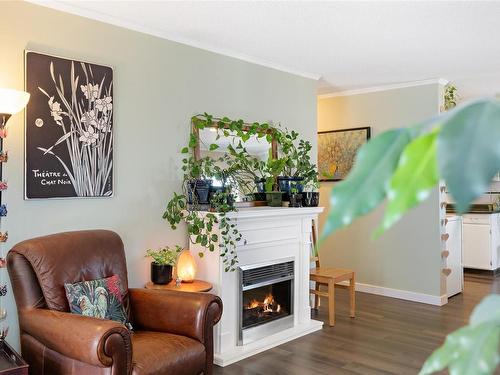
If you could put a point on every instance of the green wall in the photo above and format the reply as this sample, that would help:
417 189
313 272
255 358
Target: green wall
407 257
158 86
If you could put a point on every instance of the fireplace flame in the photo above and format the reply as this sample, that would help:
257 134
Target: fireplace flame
268 305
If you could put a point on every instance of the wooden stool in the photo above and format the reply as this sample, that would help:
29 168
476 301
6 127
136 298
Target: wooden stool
331 277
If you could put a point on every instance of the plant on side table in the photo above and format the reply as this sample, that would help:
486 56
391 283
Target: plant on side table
163 260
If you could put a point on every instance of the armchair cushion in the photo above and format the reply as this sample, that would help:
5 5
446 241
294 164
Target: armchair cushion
165 353
102 298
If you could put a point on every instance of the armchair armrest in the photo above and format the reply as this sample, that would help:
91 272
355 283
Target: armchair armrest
182 313
94 341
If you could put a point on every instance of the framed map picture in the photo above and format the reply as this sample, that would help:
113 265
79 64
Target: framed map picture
69 128
337 150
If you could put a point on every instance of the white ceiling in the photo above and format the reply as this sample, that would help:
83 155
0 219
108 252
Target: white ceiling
346 45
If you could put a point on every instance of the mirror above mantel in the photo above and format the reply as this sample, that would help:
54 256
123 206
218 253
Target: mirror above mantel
219 142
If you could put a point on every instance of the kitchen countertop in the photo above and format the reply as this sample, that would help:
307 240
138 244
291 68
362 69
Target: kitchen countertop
476 209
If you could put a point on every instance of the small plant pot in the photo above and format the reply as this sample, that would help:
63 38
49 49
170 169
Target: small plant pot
295 200
161 274
201 189
310 199
274 199
287 183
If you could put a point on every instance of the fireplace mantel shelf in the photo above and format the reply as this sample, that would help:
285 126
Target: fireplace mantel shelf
270 236
254 212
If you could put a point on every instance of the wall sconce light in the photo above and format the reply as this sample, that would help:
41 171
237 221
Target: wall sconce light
11 102
186 267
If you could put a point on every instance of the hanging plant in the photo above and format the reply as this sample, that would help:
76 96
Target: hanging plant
450 97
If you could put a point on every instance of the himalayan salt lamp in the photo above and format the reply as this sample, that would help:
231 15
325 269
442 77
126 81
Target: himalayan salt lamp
186 267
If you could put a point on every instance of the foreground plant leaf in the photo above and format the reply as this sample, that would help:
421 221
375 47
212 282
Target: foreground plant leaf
364 188
413 180
472 349
468 150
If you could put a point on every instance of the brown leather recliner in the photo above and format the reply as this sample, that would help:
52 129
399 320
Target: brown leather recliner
173 331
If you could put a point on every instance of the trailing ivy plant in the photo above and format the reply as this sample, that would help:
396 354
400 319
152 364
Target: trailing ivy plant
461 147
204 228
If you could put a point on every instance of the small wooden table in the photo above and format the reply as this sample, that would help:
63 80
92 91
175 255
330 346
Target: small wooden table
195 286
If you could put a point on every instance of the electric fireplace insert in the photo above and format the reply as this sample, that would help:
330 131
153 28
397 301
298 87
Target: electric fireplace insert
266 299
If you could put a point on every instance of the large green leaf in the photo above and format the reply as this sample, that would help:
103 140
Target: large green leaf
472 349
487 310
364 188
413 180
468 150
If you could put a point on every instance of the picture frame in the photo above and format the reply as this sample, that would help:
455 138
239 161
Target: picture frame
337 151
69 128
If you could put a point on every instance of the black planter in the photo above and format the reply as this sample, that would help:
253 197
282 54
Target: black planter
310 199
287 183
201 188
259 183
259 196
295 200
161 274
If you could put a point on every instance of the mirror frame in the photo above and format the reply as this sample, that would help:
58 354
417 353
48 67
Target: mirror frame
196 132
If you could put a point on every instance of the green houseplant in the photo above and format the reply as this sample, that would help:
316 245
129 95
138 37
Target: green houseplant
274 167
163 259
298 169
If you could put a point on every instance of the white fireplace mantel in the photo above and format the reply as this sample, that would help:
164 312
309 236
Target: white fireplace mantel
269 234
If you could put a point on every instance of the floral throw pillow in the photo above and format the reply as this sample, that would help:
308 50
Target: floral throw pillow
100 298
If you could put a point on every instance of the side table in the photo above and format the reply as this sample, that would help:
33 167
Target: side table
11 363
195 286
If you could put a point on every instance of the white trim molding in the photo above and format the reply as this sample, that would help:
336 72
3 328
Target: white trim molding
401 294
80 10
368 90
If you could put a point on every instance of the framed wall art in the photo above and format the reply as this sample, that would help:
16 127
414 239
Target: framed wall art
69 128
337 150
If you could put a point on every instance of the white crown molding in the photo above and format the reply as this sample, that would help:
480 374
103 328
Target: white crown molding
70 7
394 86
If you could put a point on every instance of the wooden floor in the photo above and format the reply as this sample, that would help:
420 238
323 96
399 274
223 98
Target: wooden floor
388 336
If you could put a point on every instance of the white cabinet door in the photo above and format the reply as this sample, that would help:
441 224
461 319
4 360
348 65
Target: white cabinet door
454 281
477 246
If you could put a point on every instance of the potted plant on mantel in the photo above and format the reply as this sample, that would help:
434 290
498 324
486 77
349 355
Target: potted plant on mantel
310 195
162 264
298 170
274 167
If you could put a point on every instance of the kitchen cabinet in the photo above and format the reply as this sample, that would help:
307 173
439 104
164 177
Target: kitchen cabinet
481 241
455 280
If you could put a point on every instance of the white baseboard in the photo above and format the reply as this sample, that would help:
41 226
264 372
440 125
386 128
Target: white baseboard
400 294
